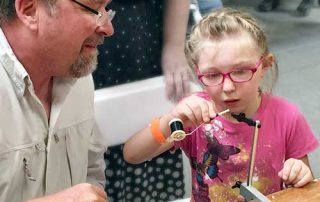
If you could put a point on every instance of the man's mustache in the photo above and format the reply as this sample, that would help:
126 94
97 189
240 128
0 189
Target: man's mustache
94 41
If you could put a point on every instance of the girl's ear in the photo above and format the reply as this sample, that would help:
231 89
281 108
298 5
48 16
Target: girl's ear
26 11
268 61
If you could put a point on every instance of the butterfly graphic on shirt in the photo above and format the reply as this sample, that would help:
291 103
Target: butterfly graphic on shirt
208 167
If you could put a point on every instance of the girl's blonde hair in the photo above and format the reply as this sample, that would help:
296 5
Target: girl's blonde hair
226 21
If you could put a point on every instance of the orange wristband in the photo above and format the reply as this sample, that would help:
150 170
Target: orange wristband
156 132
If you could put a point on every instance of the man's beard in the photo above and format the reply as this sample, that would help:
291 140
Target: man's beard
84 65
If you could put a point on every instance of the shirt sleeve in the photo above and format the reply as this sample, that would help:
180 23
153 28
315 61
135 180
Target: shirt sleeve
301 140
96 164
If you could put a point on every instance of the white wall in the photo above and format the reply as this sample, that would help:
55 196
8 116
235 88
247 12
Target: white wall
124 109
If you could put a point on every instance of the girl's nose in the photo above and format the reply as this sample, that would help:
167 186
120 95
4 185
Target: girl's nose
228 85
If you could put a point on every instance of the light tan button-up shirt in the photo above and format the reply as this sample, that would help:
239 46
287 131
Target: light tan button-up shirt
37 157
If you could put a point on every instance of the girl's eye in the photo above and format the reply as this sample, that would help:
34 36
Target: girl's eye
240 71
212 76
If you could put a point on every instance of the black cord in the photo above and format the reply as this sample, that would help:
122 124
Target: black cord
242 118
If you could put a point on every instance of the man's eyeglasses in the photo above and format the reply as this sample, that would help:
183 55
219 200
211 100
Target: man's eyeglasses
236 76
101 18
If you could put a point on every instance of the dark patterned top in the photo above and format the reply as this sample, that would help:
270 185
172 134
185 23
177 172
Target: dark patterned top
134 51
157 180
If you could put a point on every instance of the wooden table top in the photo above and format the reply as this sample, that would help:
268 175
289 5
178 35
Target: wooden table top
307 193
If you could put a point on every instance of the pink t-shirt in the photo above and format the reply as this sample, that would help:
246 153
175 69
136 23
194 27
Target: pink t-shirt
219 153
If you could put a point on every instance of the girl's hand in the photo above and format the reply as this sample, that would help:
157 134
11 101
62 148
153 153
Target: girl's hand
193 111
295 172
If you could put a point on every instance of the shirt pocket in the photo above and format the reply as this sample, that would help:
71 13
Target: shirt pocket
22 170
77 141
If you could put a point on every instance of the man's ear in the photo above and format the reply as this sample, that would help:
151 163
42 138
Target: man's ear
26 11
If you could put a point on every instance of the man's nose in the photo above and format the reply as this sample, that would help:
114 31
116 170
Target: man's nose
106 29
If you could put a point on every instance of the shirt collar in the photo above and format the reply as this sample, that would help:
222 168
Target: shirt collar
17 73
13 67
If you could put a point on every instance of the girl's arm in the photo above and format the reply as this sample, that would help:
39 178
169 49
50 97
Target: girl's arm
142 146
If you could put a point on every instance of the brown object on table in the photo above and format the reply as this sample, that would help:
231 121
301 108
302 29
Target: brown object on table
307 193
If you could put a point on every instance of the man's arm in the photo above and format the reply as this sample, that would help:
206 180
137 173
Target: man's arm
80 193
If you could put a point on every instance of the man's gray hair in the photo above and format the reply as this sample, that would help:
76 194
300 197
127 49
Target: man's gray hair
8 11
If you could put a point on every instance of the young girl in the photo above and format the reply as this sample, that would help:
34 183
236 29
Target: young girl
229 54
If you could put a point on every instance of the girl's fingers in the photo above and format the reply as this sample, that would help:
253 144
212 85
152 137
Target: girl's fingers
304 177
194 111
205 115
307 177
212 113
294 172
199 108
286 169
191 111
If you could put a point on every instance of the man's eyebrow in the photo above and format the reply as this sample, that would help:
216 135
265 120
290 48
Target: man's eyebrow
102 1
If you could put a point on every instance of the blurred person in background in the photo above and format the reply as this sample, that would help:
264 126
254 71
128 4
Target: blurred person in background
303 8
207 5
150 42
